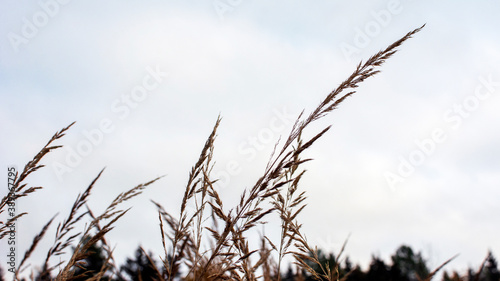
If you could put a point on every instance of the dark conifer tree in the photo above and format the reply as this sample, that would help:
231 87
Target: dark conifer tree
378 270
408 265
490 271
139 268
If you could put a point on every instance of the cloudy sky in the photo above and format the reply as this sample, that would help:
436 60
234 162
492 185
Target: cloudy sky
412 158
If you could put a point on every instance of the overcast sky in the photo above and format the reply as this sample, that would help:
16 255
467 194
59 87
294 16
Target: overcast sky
413 157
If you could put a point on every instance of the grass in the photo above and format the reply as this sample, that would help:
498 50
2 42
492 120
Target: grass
230 256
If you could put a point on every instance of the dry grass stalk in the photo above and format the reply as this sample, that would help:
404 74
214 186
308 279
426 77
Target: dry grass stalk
435 271
64 236
105 246
88 239
481 268
248 212
19 187
183 242
33 246
61 241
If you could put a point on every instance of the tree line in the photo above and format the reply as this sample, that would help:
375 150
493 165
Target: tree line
404 265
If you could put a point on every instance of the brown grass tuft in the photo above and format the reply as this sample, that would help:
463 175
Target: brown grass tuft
230 256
